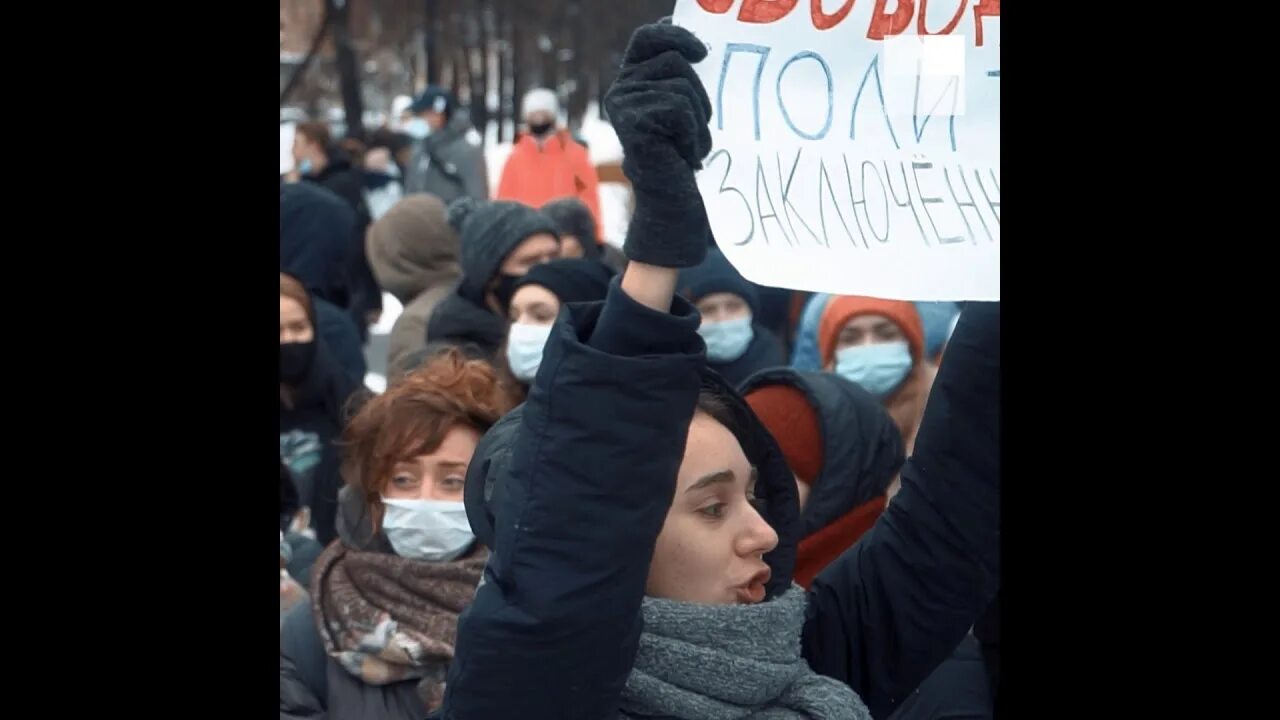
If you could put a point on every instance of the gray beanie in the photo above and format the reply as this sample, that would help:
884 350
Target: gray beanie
489 231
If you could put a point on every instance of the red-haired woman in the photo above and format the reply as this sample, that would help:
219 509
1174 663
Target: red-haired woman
378 637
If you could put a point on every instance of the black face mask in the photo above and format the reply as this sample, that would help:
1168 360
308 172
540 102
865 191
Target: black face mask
505 289
296 360
540 129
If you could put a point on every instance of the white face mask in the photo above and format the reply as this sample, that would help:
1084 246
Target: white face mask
435 530
524 349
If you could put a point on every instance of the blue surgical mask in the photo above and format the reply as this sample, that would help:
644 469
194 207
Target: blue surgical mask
878 368
305 166
417 128
727 340
524 349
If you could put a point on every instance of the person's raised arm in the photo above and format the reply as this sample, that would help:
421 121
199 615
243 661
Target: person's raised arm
554 627
886 613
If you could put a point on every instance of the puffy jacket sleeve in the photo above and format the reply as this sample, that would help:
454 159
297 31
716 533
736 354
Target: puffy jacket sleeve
885 614
555 624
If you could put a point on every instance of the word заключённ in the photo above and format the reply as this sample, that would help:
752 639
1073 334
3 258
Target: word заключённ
861 201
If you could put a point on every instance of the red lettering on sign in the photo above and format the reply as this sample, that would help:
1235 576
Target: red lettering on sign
955 20
983 9
823 21
765 11
717 7
883 23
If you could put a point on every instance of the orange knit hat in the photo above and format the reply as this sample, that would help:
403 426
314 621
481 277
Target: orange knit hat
841 310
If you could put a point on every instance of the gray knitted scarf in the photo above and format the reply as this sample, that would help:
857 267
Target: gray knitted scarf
731 662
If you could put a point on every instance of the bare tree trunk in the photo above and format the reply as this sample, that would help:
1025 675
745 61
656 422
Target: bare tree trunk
301 70
502 47
480 78
432 40
517 76
348 68
577 101
462 80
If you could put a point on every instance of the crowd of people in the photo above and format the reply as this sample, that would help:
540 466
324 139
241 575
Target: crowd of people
611 477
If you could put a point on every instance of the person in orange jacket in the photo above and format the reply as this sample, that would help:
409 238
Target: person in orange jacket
546 163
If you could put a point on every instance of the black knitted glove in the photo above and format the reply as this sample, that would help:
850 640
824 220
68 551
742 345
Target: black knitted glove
660 111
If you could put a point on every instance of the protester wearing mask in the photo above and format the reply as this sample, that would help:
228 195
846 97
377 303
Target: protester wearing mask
643 524
318 246
879 344
737 345
537 301
377 639
500 242
314 394
414 255
546 163
323 163
444 162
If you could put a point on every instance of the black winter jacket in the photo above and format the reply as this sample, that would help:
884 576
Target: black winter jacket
580 479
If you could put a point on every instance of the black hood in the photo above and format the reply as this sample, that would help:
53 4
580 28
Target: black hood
457 320
862 449
775 486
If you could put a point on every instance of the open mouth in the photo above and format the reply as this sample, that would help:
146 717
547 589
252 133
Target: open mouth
753 591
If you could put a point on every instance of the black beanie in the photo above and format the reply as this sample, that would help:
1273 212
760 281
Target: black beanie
488 232
571 279
574 218
715 275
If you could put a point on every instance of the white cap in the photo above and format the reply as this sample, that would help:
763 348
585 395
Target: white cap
540 99
399 105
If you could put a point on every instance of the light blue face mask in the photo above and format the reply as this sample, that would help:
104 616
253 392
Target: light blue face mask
417 128
524 349
727 340
305 166
878 368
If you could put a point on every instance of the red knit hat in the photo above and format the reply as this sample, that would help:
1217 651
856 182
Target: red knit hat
841 310
793 422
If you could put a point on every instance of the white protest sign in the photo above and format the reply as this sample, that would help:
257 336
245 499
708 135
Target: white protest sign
856 143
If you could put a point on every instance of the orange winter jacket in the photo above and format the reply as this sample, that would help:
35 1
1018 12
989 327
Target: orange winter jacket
560 168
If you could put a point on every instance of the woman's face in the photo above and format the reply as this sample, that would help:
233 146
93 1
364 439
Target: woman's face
438 475
712 545
869 330
534 250
294 326
534 305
